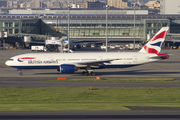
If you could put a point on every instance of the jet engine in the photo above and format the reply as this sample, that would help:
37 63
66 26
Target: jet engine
67 68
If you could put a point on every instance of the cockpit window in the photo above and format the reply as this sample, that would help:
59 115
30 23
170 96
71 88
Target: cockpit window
11 59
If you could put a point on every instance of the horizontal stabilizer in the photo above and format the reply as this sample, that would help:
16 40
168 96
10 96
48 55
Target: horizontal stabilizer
160 56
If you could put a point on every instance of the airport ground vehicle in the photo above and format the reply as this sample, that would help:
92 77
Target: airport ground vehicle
103 47
38 48
112 46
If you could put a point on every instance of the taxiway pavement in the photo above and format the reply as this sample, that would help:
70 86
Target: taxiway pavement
92 115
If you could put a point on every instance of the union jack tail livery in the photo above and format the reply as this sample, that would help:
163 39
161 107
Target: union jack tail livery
155 44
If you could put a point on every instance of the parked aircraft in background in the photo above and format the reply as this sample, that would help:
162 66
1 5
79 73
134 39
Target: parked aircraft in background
80 43
53 44
71 62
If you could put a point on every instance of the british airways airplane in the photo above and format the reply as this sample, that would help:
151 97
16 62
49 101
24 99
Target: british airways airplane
70 62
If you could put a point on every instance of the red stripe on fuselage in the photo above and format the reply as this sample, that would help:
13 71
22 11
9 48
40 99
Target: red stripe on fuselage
27 58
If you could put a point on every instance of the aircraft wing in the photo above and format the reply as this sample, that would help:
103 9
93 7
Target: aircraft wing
96 62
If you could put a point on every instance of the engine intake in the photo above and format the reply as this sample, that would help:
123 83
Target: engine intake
67 68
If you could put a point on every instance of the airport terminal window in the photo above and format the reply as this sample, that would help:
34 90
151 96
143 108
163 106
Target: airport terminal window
118 25
148 31
104 25
102 32
82 33
16 25
154 24
30 24
113 25
10 25
159 24
124 25
154 30
16 30
149 25
62 24
6 24
10 31
87 32
164 24
94 24
88 25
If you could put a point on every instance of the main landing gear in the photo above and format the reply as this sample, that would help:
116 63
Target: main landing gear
88 72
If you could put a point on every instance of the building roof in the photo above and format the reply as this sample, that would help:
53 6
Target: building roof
84 16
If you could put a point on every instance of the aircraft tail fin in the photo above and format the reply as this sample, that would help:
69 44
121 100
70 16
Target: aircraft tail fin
155 44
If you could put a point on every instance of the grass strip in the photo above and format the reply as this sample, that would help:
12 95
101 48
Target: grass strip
82 98
121 80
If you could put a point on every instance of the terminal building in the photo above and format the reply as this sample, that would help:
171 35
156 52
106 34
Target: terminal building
89 27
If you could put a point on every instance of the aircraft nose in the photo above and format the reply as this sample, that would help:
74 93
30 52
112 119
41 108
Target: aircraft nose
7 63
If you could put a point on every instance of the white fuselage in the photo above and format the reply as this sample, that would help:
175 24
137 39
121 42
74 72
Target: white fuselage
54 60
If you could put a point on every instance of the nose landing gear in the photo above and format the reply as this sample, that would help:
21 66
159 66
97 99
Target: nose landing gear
20 71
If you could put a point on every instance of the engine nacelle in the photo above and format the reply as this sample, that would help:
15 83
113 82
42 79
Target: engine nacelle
67 68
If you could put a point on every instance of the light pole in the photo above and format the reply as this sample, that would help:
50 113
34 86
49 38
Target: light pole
68 26
106 25
134 25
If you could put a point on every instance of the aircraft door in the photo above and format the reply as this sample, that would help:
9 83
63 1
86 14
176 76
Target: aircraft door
135 59
100 58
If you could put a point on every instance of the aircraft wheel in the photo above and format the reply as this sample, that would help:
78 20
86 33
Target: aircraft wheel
86 74
92 74
21 73
83 72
